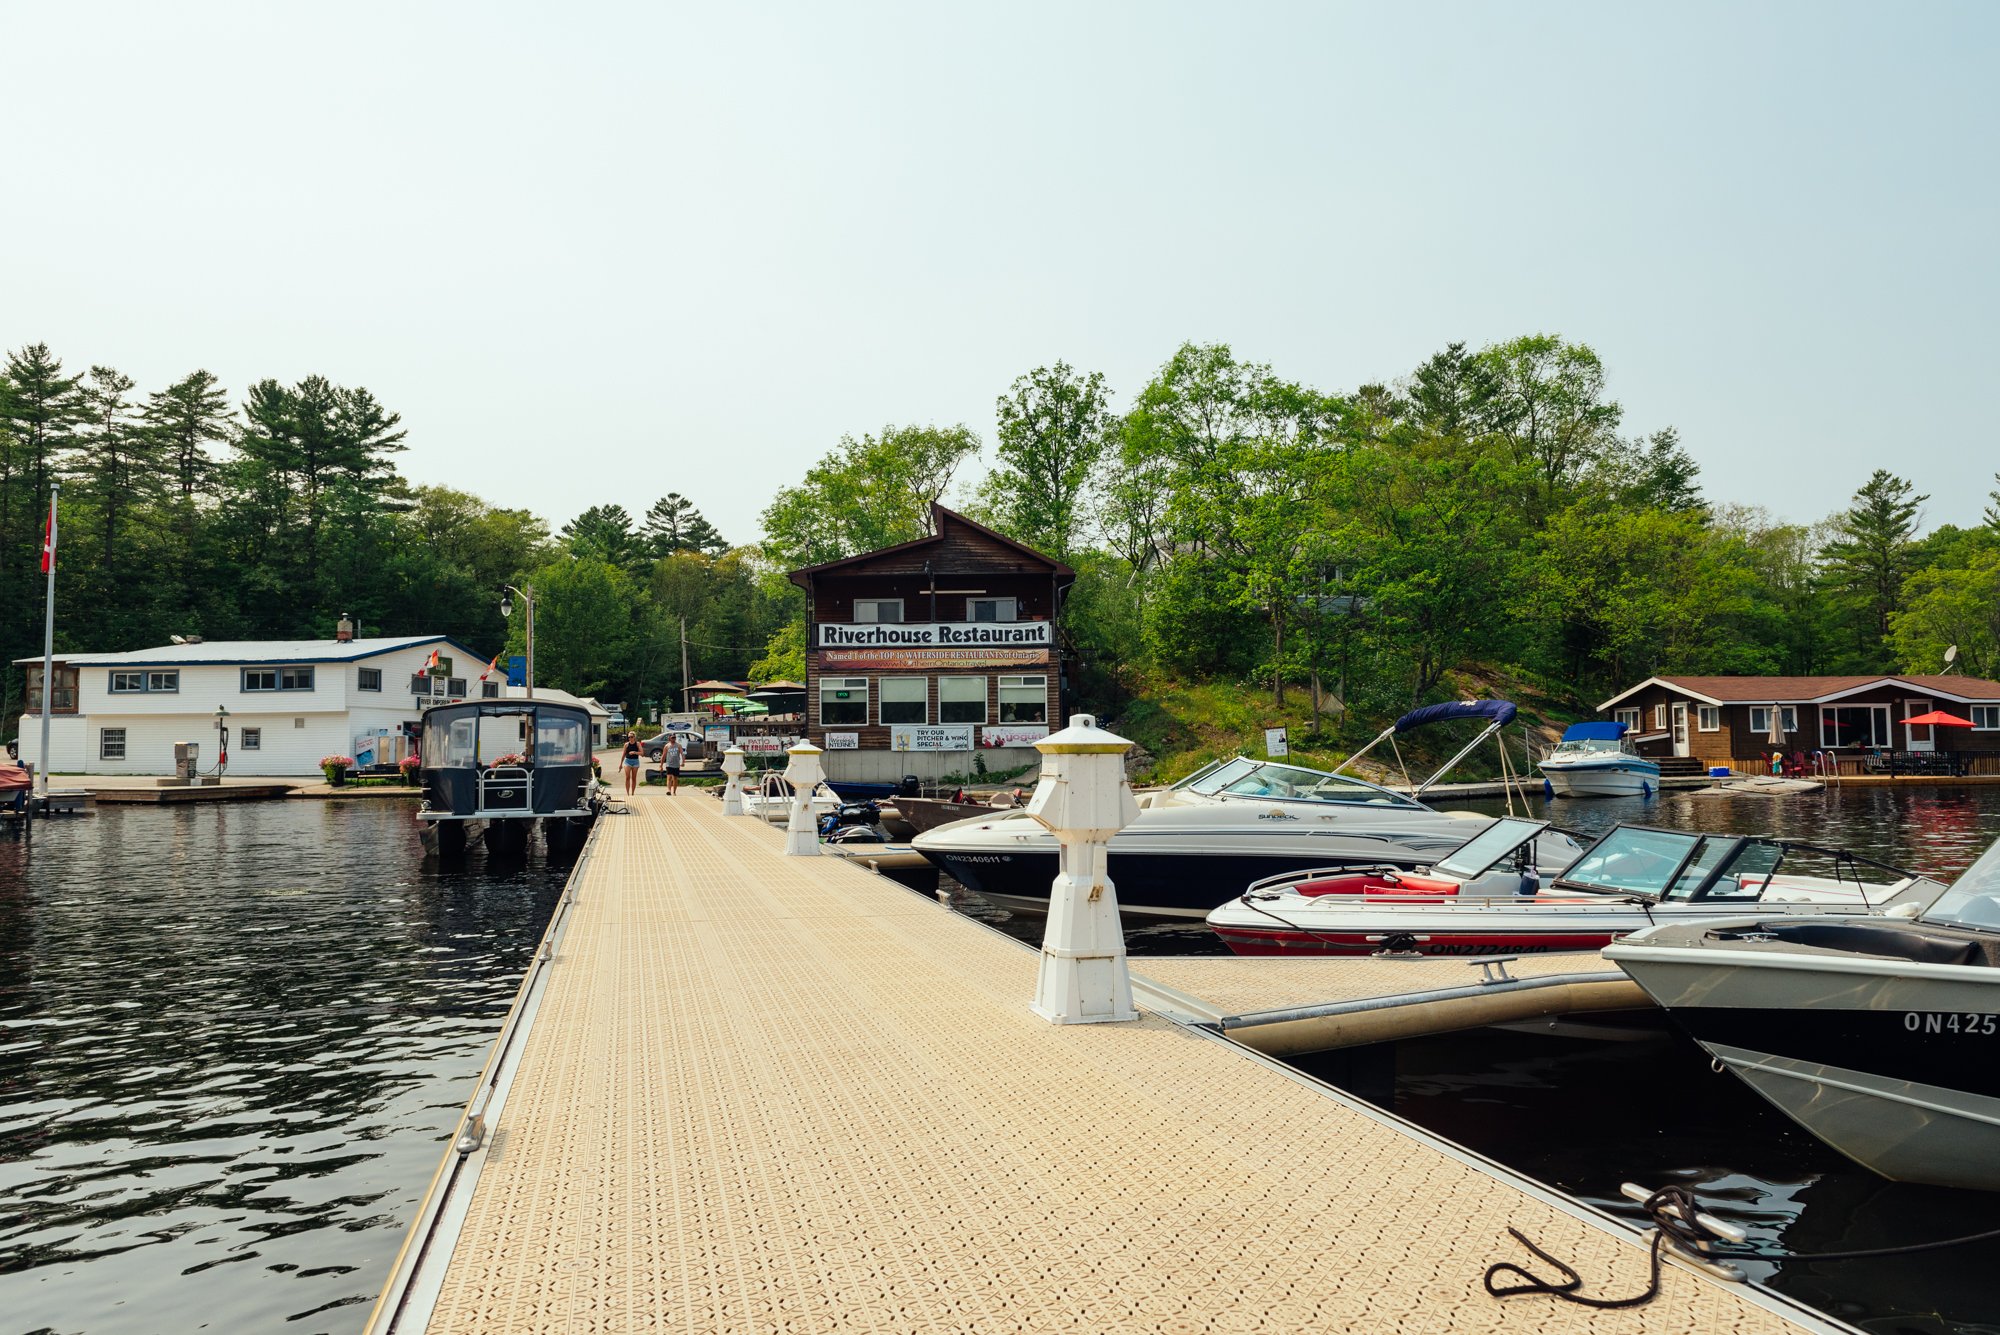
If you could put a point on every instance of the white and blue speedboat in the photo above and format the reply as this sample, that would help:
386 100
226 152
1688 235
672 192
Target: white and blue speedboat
1597 760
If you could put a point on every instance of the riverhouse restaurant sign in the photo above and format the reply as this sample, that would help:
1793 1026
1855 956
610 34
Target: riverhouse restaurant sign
923 655
981 634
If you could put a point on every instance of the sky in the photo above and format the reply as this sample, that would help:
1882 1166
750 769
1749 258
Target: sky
602 252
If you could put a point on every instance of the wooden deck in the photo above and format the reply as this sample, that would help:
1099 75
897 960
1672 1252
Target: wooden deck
768 1094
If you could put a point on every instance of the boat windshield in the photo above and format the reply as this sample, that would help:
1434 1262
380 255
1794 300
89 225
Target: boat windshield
1974 898
1242 777
1632 860
1589 746
561 741
1479 854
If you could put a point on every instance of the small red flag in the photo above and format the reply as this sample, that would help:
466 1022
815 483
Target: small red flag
49 539
490 666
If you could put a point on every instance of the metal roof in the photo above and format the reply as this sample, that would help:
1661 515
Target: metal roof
232 652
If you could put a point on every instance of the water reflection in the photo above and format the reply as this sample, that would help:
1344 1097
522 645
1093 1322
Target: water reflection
232 1038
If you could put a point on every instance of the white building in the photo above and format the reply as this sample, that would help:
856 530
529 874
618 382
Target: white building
289 702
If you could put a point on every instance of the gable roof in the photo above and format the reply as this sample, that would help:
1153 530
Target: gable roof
1810 690
234 652
940 516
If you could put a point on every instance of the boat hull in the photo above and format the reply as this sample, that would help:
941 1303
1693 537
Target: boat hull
1896 1066
1614 779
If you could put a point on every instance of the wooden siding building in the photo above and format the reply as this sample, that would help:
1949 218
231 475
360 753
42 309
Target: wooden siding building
923 656
1856 720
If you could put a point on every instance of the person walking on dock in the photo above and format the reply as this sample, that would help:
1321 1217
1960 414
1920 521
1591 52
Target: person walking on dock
671 756
633 757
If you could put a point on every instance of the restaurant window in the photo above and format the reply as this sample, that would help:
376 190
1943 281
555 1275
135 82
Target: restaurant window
1024 699
1853 725
164 682
878 609
278 679
123 682
1986 718
961 699
843 700
1708 718
253 739
992 609
260 679
905 699
371 679
1628 717
111 744
1760 719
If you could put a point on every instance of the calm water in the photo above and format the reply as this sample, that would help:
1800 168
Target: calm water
232 1040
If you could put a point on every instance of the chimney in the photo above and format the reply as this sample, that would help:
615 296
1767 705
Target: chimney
345 630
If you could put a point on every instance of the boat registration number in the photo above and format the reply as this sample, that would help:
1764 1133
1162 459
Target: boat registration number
1950 1022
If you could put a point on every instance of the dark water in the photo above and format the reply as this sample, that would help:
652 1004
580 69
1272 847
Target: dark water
232 1040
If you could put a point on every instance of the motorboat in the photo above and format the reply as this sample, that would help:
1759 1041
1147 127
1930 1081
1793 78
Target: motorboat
1200 842
498 768
1878 1035
1484 898
928 813
1598 760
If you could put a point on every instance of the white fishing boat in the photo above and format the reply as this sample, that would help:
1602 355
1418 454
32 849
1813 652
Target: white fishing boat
1486 898
1597 760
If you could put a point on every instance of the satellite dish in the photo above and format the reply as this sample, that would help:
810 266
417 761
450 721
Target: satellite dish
1950 655
182 639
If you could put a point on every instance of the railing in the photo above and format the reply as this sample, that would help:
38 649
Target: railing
1892 764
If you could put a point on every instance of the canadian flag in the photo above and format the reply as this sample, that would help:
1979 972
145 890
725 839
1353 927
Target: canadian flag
49 539
431 662
490 666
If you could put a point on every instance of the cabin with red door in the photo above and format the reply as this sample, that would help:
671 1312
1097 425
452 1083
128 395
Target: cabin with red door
1847 724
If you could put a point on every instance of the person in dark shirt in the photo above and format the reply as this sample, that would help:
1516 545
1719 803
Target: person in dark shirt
633 758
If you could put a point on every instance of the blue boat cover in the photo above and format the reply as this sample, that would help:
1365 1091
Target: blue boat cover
1498 711
1594 732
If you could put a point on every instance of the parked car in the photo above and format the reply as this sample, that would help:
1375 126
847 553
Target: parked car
691 745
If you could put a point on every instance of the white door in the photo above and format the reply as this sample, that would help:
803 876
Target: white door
1923 738
1680 730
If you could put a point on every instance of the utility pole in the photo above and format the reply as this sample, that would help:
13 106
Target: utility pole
685 682
507 610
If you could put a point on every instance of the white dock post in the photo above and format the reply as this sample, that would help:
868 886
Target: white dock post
1083 799
732 791
804 774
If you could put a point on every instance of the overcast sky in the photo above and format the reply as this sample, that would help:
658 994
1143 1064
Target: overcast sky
603 252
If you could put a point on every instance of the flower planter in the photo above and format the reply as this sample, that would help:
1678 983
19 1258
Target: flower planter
336 778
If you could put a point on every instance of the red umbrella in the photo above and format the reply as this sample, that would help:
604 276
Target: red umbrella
1937 718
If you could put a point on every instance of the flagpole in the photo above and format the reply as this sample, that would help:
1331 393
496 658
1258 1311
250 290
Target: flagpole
48 656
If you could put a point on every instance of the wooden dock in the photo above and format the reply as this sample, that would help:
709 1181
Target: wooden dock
747 1093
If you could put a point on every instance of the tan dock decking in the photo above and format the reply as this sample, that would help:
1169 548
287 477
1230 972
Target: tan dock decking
770 1094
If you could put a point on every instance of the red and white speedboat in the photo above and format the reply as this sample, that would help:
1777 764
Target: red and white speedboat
1485 898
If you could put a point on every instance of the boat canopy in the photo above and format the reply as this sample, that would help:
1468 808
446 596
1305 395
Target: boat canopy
1500 712
1593 732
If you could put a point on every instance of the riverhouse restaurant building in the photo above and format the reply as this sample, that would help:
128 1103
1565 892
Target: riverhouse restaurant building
933 656
1859 722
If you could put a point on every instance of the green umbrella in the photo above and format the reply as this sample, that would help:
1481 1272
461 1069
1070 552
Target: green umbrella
752 707
726 701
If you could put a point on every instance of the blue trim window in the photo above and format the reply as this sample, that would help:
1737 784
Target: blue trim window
277 679
135 682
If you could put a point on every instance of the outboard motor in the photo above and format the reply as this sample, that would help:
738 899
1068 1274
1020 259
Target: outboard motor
853 822
911 786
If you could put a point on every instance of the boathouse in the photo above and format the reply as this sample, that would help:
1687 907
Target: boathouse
285 703
935 657
1859 721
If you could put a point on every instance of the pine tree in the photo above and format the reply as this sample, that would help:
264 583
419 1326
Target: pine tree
117 459
674 525
1992 515
1867 561
185 418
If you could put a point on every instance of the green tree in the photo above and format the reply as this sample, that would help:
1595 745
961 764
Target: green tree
604 533
1054 427
868 493
117 460
1945 606
674 525
1547 405
1869 556
584 635
185 419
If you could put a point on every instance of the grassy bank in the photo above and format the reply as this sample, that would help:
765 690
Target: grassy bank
1182 725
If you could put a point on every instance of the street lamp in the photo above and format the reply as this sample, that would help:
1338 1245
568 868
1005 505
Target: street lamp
527 596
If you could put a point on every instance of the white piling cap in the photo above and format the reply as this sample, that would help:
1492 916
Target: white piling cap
1083 738
802 747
